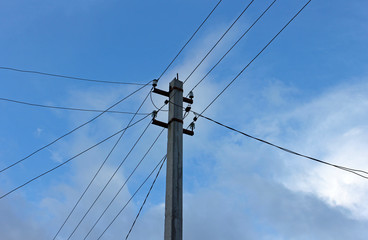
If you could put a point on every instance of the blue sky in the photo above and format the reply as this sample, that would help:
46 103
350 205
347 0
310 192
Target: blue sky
307 92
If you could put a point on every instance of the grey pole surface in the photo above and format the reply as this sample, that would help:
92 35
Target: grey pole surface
174 169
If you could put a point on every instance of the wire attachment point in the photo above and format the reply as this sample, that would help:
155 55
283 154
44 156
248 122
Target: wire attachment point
196 115
188 108
191 95
154 114
192 126
154 83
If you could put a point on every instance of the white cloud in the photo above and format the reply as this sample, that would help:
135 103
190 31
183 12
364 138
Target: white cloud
56 157
38 132
15 225
333 128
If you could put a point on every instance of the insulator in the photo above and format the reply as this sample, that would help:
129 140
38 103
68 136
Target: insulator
191 95
154 114
166 101
192 126
188 108
154 83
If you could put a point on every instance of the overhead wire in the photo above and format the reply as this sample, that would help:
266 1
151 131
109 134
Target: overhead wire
69 77
73 130
70 159
190 39
259 53
110 179
101 166
56 75
219 40
214 46
153 103
144 202
126 204
107 110
351 170
160 109
231 48
77 109
93 80
66 108
124 184
116 82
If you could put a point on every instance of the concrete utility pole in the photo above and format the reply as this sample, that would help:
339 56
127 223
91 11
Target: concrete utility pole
174 169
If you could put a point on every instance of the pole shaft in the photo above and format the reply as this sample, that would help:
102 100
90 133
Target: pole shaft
174 169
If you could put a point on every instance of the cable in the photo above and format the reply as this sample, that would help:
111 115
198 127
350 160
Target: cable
126 181
68 77
223 35
159 109
245 33
86 150
185 113
153 103
255 57
144 202
75 129
101 166
189 40
351 170
121 210
66 108
108 182
214 46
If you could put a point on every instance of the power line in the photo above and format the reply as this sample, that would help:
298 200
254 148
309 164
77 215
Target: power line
108 182
101 166
126 181
153 103
160 109
223 35
241 37
111 82
144 202
86 150
190 39
73 130
69 77
85 79
351 170
259 53
213 47
122 209
65 108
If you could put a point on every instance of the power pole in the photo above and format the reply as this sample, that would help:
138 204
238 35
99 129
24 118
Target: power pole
174 165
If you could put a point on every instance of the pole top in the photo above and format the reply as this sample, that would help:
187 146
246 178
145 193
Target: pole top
176 83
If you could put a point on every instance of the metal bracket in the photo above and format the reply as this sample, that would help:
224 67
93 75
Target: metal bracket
165 125
167 94
161 92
